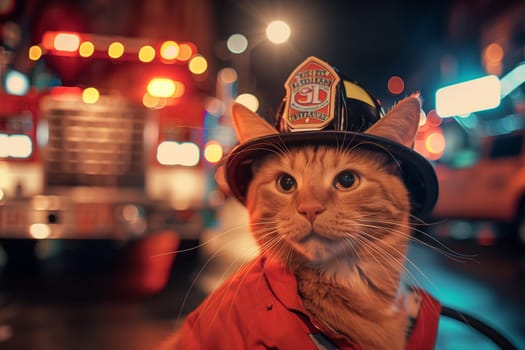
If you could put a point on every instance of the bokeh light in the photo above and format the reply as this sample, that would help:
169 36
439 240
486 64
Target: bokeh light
146 53
434 119
169 50
435 143
161 87
237 43
396 85
115 49
179 89
90 95
39 231
35 52
86 49
175 153
153 102
185 52
68 42
278 32
469 96
213 151
16 83
15 146
249 101
228 75
198 65
215 106
492 57
493 53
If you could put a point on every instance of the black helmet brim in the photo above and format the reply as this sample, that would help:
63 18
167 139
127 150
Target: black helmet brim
417 173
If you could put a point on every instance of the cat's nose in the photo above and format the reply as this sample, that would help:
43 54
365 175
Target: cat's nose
310 210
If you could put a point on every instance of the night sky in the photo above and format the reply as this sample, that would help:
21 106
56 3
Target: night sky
368 41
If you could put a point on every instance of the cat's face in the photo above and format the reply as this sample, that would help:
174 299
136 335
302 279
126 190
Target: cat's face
316 205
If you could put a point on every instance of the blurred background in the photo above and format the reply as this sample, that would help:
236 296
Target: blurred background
113 116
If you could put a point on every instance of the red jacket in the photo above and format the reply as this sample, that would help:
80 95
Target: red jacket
259 308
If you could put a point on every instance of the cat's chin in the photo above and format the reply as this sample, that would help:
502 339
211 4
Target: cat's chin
319 250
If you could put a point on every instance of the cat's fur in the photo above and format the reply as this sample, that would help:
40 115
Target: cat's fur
349 272
346 246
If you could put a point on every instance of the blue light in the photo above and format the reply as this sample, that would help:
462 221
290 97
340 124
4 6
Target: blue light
512 80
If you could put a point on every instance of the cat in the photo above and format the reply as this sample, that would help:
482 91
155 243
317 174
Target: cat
333 225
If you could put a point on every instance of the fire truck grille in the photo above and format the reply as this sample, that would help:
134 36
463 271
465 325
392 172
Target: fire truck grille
95 146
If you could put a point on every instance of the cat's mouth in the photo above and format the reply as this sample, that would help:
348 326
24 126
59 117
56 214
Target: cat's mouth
315 237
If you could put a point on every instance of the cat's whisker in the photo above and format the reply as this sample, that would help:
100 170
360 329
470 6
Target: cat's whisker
402 264
445 250
208 261
408 272
226 290
232 230
244 268
369 245
201 270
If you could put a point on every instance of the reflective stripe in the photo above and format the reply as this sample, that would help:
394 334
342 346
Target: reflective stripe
358 93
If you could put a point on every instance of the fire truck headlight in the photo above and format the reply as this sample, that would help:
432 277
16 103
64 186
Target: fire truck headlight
40 231
15 146
174 153
161 87
4 146
21 146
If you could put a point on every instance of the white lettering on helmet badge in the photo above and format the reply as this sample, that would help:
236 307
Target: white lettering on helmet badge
310 95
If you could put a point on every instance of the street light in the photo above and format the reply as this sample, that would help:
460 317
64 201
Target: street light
278 32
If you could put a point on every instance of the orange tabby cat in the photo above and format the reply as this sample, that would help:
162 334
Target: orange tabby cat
333 223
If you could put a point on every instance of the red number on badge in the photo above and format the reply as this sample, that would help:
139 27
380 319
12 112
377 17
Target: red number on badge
311 94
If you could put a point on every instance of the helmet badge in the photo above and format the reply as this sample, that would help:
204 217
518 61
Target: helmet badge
310 96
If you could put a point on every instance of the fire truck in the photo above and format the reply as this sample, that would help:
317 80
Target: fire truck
83 162
69 169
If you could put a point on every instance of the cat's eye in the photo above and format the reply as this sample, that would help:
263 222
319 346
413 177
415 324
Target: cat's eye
345 180
286 183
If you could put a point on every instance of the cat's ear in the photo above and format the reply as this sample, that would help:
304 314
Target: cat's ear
400 124
249 125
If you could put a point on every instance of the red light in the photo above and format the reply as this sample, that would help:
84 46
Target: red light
66 90
486 236
48 40
396 85
433 118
